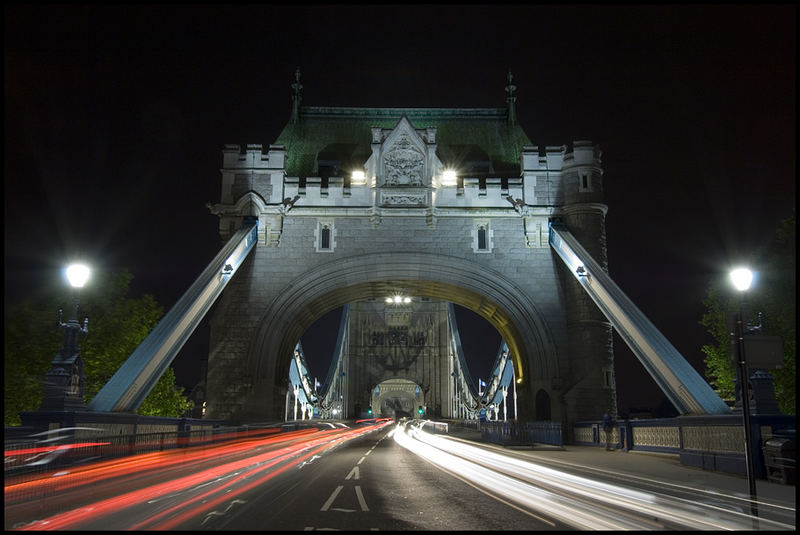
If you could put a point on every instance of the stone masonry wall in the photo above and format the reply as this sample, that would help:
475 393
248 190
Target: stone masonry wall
270 271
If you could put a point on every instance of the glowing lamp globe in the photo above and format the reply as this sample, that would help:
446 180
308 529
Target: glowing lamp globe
77 275
741 278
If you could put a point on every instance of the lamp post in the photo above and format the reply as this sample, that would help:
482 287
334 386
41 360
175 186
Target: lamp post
64 381
741 279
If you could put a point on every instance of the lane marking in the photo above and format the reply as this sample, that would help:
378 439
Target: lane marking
333 497
354 473
361 500
361 460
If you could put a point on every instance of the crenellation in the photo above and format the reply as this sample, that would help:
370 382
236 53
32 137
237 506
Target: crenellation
583 152
554 157
252 158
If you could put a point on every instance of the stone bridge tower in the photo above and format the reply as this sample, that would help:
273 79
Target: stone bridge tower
445 204
399 357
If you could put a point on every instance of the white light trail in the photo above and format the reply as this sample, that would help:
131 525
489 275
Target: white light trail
577 501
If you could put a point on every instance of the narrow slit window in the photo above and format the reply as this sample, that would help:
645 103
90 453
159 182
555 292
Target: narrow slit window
482 237
608 379
482 246
325 238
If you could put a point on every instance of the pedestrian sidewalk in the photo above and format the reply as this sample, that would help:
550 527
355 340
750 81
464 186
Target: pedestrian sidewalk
662 467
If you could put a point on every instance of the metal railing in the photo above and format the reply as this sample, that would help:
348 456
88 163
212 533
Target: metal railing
711 442
522 433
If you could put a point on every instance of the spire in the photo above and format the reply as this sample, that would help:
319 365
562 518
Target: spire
511 99
296 98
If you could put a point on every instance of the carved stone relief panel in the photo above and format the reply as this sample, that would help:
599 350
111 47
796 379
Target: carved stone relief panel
404 199
403 163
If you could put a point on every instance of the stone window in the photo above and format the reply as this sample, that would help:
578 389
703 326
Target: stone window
324 236
585 182
482 237
608 378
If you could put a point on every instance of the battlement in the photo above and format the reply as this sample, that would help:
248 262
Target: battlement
545 176
583 153
253 157
555 158
473 193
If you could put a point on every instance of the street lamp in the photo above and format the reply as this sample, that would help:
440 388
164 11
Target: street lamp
741 279
64 381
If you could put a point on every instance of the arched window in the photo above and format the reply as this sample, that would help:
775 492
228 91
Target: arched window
482 246
482 237
325 236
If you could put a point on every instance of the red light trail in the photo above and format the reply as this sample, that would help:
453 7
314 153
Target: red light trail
239 467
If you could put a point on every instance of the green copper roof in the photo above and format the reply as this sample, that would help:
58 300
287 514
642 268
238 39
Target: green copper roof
461 134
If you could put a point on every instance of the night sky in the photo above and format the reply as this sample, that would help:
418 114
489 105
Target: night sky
115 119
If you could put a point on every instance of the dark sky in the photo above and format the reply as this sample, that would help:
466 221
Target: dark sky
115 118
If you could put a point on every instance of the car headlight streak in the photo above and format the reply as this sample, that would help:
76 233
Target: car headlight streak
578 501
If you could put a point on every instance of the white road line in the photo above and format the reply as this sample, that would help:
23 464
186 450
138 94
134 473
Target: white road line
354 473
361 499
333 497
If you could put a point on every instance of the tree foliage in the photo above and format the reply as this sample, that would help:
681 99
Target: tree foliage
117 325
775 297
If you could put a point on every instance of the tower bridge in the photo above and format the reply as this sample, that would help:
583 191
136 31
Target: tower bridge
351 205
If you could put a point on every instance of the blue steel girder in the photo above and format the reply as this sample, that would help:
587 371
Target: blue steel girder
137 376
680 382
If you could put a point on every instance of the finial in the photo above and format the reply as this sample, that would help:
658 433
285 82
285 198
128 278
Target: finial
296 98
296 85
511 99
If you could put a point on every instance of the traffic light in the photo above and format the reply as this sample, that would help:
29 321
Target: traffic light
419 409
369 411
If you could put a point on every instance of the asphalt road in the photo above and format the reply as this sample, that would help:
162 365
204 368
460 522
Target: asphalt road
369 483
366 483
368 477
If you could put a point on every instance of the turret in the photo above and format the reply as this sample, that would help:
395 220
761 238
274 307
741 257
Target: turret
589 332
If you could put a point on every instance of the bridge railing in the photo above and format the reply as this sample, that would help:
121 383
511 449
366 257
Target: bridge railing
712 442
522 433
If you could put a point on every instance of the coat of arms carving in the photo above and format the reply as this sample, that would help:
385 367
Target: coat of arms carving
404 164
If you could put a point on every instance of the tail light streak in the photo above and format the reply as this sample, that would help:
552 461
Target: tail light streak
183 498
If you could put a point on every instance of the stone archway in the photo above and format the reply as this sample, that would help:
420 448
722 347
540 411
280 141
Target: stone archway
491 295
394 398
